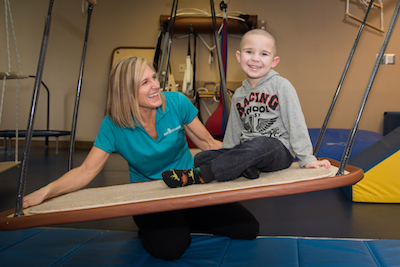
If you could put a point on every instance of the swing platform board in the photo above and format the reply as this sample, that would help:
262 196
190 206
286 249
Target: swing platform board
155 196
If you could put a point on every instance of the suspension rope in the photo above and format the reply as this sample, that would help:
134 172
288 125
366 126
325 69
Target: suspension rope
17 87
8 60
8 16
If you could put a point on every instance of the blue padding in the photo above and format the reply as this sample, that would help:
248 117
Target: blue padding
46 247
334 142
386 252
316 252
118 248
71 247
262 252
112 248
12 238
391 120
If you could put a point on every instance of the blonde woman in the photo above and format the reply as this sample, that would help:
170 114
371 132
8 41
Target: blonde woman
147 128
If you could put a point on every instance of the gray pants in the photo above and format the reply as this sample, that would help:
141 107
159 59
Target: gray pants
267 154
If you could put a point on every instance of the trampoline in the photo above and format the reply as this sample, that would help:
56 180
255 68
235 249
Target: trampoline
9 134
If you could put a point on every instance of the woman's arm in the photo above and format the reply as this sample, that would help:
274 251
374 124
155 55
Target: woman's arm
73 180
200 136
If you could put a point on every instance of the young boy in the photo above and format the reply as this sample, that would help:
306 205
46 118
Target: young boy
266 127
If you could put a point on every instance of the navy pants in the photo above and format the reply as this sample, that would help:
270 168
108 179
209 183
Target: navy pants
166 235
267 154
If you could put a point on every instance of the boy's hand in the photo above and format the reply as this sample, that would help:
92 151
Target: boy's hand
318 163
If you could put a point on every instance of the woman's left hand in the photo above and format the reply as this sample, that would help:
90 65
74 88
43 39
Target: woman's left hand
200 136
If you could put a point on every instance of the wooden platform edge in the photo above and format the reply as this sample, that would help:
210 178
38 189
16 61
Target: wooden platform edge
28 221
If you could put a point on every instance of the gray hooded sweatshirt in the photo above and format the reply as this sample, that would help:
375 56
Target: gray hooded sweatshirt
272 109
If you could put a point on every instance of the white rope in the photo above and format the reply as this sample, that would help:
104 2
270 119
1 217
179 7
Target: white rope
15 39
8 16
8 60
199 12
2 97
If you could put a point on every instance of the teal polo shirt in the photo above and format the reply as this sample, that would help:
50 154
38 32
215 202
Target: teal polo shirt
148 158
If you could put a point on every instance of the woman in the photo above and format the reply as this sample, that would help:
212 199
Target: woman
147 128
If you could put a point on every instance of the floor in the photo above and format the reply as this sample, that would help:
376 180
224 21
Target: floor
318 214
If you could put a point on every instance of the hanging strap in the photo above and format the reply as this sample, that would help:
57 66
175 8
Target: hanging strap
194 58
158 51
167 44
224 55
187 85
224 95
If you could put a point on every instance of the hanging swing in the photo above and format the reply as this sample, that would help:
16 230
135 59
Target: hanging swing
8 75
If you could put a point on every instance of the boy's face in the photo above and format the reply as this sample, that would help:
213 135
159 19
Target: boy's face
257 57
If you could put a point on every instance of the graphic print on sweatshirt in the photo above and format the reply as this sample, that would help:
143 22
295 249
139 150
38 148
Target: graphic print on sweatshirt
258 111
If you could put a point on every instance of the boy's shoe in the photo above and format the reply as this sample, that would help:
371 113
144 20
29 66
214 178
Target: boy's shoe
251 173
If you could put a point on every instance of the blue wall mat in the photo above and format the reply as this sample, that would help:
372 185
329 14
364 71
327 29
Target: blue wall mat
334 142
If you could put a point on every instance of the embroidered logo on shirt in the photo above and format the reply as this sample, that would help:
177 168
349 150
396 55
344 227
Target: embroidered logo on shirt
169 130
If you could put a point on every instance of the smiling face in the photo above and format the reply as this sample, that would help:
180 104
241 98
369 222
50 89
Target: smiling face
149 91
257 55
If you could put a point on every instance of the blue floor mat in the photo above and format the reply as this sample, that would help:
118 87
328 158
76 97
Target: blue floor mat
71 247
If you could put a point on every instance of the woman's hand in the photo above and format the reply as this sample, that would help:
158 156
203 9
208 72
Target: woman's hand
34 198
73 180
200 136
318 163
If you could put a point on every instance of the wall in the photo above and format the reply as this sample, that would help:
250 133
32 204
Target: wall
314 41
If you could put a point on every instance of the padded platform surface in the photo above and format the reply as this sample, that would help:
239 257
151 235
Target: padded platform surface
61 247
157 190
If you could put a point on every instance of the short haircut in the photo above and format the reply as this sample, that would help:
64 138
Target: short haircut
259 32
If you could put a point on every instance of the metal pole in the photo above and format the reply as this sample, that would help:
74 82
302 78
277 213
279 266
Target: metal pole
78 91
353 132
328 115
220 64
29 131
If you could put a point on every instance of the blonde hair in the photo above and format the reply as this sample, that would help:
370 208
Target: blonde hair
123 90
259 32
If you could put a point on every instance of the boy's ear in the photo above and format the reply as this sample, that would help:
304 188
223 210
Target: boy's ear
275 61
238 55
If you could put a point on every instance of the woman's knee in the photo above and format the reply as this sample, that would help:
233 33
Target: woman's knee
167 249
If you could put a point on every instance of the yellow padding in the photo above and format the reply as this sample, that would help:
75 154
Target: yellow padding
381 183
